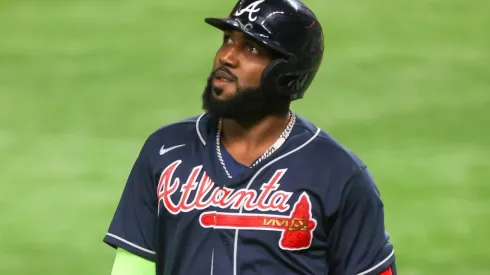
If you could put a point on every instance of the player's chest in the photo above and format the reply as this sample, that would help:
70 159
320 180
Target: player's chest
184 187
276 198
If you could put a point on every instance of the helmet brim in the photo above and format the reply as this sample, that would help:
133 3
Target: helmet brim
228 24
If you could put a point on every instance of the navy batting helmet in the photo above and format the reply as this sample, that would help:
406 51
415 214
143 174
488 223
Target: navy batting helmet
290 29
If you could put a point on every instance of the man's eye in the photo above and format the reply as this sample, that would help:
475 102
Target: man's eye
226 40
253 50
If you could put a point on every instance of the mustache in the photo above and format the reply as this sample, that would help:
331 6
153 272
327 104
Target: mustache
227 70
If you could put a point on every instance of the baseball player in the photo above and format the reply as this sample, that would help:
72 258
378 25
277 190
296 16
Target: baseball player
251 187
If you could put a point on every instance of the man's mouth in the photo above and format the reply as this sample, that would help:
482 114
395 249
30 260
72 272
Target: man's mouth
222 76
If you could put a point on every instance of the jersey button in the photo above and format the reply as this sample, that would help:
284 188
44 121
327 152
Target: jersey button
225 242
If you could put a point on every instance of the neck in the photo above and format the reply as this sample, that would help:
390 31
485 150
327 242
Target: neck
246 143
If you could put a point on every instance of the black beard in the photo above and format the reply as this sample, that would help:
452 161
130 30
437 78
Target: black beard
247 107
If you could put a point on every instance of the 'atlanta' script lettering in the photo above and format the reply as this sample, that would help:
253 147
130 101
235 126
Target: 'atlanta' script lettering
206 194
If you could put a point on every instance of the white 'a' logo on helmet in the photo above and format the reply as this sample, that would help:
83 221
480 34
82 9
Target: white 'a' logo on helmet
251 9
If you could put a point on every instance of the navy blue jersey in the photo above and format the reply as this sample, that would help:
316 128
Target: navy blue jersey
312 207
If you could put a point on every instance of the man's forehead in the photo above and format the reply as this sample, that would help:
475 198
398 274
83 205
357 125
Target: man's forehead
239 34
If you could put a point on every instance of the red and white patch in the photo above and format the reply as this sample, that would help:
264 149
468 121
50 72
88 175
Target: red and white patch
296 229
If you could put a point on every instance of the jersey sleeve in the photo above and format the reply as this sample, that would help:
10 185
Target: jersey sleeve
133 225
358 242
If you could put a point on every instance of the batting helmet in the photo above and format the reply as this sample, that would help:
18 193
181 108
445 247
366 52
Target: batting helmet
288 28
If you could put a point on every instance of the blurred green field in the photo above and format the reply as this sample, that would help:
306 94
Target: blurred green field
406 85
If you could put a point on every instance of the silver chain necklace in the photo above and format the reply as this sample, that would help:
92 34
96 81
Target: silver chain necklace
279 142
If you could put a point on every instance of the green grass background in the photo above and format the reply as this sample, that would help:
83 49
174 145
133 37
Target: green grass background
405 84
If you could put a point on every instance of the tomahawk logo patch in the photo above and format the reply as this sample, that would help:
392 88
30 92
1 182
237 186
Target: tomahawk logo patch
296 229
199 192
251 9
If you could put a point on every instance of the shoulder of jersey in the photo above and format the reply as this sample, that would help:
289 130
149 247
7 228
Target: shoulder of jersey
328 148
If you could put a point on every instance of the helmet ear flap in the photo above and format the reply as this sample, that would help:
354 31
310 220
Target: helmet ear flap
275 78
